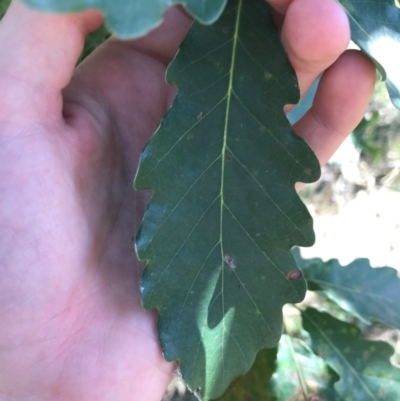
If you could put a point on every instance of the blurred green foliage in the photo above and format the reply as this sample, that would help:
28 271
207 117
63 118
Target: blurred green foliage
93 40
3 7
365 137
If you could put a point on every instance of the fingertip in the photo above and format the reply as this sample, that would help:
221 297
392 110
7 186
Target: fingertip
361 72
89 21
350 83
315 32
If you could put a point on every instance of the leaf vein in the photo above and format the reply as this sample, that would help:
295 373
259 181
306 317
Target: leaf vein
266 129
205 56
195 279
183 244
266 193
181 200
182 136
258 247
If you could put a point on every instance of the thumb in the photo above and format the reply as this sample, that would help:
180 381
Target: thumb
38 56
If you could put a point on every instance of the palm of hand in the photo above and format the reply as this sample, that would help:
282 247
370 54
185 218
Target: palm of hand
74 311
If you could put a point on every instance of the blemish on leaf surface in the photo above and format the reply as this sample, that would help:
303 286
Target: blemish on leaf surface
295 275
230 261
268 75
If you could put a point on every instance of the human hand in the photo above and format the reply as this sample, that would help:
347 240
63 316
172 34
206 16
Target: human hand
72 327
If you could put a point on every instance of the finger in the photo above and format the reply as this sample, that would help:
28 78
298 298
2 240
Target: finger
315 33
339 105
39 52
280 5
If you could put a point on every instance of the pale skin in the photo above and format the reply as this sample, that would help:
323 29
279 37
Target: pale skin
71 323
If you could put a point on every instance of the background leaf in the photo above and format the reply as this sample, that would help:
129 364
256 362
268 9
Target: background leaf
290 372
298 112
134 18
368 293
365 371
301 375
222 168
375 27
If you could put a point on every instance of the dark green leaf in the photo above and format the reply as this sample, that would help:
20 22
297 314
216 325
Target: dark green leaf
254 386
134 18
224 212
375 27
369 293
365 371
3 6
301 375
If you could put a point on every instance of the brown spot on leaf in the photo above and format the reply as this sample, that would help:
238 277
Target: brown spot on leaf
294 275
230 261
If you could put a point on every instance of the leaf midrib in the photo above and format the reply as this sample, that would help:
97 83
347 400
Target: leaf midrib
227 115
223 160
